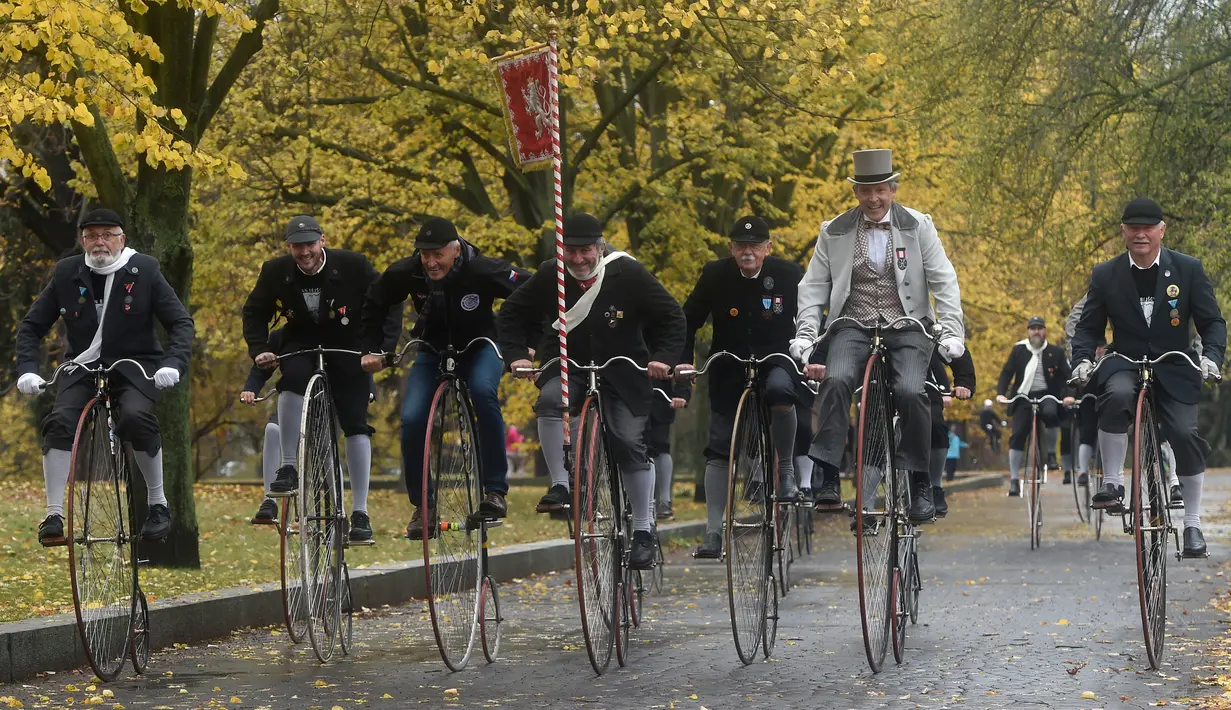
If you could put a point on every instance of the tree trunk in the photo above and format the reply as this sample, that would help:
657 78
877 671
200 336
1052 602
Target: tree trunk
160 228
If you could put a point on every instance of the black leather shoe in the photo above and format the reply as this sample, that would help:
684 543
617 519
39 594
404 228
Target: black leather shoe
285 485
1177 497
938 501
1083 479
829 495
157 523
494 506
51 532
360 527
267 514
414 529
1194 543
1108 496
555 499
922 510
1068 477
665 510
1051 462
1015 488
710 547
642 554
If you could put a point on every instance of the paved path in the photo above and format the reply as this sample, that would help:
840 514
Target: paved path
1001 626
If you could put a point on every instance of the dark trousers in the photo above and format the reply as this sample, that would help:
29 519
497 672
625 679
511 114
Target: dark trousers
778 389
657 425
349 386
481 370
1117 409
133 411
625 431
1049 415
909 355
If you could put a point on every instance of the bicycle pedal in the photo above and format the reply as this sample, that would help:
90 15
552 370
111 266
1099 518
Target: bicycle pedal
142 562
360 543
489 524
54 542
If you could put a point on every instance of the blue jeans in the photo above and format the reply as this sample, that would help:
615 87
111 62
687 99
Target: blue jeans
481 369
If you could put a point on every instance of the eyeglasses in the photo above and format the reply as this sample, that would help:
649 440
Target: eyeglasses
100 236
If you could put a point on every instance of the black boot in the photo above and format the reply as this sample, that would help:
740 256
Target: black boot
1068 477
642 554
938 501
1109 496
829 495
710 547
1194 543
1015 488
922 510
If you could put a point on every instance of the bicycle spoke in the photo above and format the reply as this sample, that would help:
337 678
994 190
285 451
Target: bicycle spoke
1152 525
747 528
319 530
875 524
595 546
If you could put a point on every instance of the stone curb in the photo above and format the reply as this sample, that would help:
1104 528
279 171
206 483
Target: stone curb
51 643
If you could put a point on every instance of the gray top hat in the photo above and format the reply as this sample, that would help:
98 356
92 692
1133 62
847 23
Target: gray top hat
873 167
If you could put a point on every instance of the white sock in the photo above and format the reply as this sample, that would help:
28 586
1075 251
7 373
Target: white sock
936 467
663 466
290 411
1113 447
1173 478
803 471
1190 488
1015 462
271 455
56 464
551 439
359 468
1085 453
151 469
715 496
639 486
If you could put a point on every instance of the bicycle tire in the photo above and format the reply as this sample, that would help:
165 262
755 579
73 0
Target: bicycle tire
490 619
1033 482
101 554
1075 437
139 646
635 590
769 636
320 522
897 625
347 617
874 512
748 531
1096 480
294 609
595 547
914 582
783 527
449 484
1151 528
656 574
622 637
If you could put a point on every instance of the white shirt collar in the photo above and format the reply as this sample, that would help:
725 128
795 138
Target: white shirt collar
864 216
324 258
1151 266
754 276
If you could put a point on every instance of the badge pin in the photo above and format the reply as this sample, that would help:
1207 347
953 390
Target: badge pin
619 314
128 287
1173 291
345 320
62 311
1167 273
127 307
766 304
1173 302
128 299
81 299
901 253
734 311
81 290
332 315
133 269
1175 313
342 310
769 282
1175 322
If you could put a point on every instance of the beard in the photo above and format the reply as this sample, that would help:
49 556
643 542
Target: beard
1037 341
100 259
580 274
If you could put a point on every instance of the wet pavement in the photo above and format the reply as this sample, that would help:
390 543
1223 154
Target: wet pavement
1000 626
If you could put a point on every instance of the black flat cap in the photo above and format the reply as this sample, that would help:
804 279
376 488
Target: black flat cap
581 229
102 217
1036 322
303 229
750 229
1142 210
435 233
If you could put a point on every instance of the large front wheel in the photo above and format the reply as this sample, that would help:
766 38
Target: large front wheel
450 486
1035 467
875 504
101 562
595 547
748 533
321 518
1151 528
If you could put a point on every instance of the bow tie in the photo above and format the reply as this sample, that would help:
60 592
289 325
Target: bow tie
876 225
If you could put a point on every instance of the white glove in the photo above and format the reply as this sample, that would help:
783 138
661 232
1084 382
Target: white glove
30 383
800 349
1209 370
951 348
166 377
1082 371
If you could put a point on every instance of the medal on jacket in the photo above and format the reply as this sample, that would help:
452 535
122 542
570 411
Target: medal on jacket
778 304
345 318
769 282
901 253
1173 291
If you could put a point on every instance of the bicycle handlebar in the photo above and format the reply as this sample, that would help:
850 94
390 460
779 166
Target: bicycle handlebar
1032 400
584 368
394 359
1143 362
317 351
745 360
936 331
72 365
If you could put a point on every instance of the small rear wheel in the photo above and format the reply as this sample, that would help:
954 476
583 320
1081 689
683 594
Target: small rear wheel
347 618
490 620
635 591
900 614
770 634
140 645
624 626
294 610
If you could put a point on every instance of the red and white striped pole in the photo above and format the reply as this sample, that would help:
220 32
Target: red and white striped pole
553 70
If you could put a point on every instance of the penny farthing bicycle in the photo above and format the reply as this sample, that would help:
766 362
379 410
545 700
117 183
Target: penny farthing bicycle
462 596
1036 466
317 595
1147 515
113 618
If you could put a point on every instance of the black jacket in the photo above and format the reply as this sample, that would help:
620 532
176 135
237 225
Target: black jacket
1056 371
963 374
633 316
277 292
1112 298
459 311
258 376
139 296
752 317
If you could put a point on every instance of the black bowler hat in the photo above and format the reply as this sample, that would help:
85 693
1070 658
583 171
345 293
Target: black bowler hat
1142 210
581 230
435 233
1036 322
750 229
303 229
102 217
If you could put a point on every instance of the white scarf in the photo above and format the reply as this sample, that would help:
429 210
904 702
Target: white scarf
1036 361
93 352
575 315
